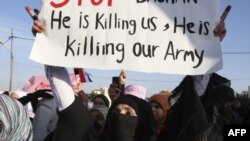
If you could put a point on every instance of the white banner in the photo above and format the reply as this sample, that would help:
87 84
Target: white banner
166 36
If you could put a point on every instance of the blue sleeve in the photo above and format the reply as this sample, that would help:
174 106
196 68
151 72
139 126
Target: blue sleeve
41 122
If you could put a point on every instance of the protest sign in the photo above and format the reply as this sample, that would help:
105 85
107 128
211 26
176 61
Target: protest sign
166 36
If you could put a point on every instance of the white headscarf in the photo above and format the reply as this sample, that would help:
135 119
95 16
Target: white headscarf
15 124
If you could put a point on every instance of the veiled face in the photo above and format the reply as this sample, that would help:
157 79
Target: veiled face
124 109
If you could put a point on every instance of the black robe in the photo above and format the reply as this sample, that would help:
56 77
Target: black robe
188 117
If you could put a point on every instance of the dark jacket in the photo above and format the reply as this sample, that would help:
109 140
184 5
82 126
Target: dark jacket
74 124
190 117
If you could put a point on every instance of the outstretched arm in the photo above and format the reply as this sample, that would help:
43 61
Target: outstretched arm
61 85
201 81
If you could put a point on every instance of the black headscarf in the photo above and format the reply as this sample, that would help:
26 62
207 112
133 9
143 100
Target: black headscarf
191 116
186 118
215 92
144 121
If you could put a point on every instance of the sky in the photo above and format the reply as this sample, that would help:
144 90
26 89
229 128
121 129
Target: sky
235 48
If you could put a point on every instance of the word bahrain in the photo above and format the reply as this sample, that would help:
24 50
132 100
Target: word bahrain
109 2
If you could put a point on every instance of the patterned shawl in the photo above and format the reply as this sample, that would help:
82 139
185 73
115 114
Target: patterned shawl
15 125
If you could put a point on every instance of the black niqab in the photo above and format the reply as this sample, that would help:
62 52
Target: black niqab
144 121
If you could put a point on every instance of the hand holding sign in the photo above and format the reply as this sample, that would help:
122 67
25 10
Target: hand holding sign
220 29
37 25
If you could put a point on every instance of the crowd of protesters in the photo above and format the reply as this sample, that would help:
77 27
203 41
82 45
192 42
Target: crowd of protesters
197 109
186 113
